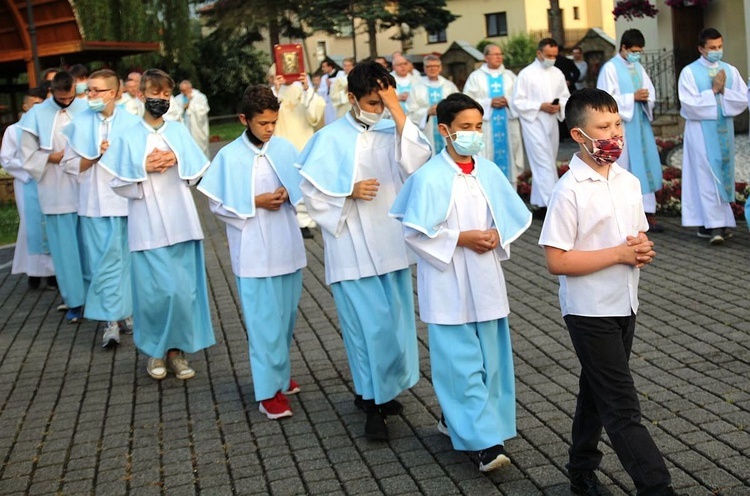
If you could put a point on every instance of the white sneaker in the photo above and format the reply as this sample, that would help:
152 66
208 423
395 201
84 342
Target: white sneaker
62 307
178 365
111 335
156 368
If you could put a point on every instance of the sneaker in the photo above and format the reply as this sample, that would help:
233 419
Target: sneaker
178 365
392 407
111 335
276 407
126 326
156 368
727 233
492 458
716 236
74 315
442 427
34 282
586 483
62 307
293 387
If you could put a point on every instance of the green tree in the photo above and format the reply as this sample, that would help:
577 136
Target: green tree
519 50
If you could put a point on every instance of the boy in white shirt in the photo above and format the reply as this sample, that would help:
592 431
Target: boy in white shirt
594 240
460 214
153 165
252 186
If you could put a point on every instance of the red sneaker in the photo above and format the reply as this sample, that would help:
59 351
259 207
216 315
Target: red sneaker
276 407
293 387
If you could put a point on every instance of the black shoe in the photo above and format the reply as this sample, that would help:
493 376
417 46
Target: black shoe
375 426
587 484
52 281
34 282
540 213
307 233
653 226
727 233
392 407
492 458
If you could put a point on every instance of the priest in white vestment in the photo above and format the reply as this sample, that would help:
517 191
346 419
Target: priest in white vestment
492 85
711 94
352 171
428 91
330 74
405 78
539 100
195 114
339 89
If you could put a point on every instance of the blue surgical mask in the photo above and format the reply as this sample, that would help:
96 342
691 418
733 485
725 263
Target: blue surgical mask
634 57
467 143
547 63
715 56
97 104
81 88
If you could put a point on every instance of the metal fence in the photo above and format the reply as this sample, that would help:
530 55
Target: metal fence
659 65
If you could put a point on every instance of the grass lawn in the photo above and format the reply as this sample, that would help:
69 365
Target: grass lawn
8 224
226 131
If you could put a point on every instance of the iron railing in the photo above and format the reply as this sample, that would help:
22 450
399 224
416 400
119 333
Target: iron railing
659 66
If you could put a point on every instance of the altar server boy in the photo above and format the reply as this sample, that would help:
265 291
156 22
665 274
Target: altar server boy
42 148
252 186
102 213
460 214
153 164
352 170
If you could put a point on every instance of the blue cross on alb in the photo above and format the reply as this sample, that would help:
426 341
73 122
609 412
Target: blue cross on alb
435 95
499 123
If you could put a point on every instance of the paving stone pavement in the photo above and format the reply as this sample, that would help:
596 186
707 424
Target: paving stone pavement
75 419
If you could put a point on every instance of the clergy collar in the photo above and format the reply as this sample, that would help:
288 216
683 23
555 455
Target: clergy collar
253 148
581 171
452 163
492 72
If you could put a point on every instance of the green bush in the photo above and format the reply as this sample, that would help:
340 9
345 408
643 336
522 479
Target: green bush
8 224
519 50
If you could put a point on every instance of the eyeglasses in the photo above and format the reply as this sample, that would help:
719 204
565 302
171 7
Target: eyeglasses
432 67
93 91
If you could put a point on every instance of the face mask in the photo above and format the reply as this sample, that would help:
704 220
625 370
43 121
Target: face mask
369 118
156 106
467 143
605 151
634 57
547 63
81 88
97 104
60 104
715 56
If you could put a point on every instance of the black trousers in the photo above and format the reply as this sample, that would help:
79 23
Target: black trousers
607 398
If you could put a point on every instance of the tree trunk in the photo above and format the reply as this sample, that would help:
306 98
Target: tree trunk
372 32
273 32
555 22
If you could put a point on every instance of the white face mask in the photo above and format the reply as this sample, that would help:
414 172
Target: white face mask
547 63
368 118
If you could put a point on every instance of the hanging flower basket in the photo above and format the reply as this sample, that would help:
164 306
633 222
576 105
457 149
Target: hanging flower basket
630 9
687 3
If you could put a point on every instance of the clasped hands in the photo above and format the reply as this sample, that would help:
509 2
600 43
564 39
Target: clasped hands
639 251
272 201
160 160
479 241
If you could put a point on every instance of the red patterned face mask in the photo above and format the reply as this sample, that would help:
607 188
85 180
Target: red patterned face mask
605 151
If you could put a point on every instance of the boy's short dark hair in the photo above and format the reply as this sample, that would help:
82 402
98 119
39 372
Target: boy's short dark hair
257 99
62 81
708 34
449 108
544 42
37 92
582 101
79 71
157 79
369 76
631 38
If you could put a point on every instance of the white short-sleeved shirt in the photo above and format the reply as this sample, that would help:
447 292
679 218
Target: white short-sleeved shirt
588 212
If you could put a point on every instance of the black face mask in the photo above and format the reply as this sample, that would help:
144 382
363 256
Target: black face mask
253 139
60 104
156 106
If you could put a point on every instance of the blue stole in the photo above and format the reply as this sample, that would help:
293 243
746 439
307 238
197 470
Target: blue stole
40 119
719 133
126 156
426 198
230 179
327 161
83 133
645 163
401 88
499 125
435 96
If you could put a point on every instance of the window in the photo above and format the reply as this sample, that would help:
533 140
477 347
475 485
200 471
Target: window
576 14
497 24
437 36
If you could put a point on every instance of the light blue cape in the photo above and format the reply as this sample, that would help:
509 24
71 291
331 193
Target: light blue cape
40 119
83 133
425 200
230 179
